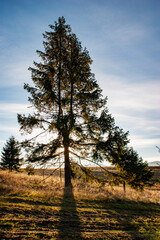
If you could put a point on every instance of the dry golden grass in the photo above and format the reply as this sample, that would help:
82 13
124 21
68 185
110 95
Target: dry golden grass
97 191
31 208
21 183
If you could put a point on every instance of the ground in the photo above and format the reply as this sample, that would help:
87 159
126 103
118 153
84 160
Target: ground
33 209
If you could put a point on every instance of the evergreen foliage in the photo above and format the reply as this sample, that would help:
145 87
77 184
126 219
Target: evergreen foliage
10 157
69 106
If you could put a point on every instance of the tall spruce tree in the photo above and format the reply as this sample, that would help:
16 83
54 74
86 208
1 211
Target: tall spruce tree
10 157
69 105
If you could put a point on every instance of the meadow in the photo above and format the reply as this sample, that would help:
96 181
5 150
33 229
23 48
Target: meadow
36 207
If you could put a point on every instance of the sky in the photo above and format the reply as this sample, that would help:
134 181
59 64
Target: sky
123 40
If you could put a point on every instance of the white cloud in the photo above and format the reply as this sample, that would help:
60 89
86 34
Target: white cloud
135 107
139 96
8 117
7 128
8 121
149 127
15 73
141 142
146 147
8 109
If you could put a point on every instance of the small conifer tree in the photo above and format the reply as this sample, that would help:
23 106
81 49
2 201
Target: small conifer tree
10 156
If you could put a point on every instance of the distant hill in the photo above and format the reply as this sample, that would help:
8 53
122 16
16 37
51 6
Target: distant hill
154 163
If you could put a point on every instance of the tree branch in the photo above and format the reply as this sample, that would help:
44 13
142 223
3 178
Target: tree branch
29 140
114 174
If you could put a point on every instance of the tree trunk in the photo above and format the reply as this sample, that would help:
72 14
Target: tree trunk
68 184
59 81
124 187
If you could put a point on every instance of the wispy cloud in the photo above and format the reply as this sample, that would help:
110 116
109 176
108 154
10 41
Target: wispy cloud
14 68
128 34
8 120
141 142
11 108
140 96
146 147
135 106
9 129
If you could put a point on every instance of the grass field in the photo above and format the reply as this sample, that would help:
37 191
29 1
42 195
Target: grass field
31 208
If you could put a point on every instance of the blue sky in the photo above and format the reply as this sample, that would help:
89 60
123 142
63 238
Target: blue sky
123 39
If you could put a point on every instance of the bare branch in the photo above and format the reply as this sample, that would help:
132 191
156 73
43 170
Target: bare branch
29 140
94 163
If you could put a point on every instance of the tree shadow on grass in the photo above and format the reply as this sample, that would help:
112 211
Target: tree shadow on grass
135 219
69 224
